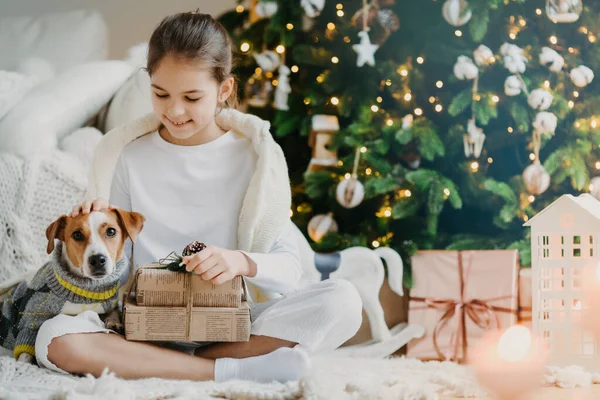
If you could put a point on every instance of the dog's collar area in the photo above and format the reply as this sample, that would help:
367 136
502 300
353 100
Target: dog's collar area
88 294
75 288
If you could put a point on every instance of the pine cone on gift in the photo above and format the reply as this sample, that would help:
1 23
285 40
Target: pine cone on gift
193 248
174 262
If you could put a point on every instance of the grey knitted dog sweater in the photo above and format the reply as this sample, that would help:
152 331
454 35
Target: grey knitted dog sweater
30 303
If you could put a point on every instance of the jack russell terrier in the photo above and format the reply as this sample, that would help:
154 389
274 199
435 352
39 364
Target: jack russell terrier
87 271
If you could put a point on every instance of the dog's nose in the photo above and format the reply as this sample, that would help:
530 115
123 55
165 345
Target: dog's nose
97 261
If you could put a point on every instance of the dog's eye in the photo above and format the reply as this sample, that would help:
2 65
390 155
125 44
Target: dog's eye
110 232
78 236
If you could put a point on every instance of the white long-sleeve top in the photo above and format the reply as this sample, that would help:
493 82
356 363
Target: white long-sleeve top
192 193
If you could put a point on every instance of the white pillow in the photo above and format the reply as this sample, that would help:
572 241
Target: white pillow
134 98
64 39
60 106
132 101
14 85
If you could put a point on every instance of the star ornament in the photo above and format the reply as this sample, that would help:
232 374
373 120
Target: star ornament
365 50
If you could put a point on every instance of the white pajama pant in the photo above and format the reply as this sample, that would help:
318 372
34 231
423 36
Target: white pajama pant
320 317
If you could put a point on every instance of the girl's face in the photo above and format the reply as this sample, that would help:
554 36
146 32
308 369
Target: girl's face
185 97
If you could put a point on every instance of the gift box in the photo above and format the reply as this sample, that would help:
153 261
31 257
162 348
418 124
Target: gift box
525 297
186 324
165 305
457 295
160 287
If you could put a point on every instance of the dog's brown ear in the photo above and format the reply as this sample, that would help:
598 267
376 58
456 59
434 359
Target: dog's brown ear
56 230
131 222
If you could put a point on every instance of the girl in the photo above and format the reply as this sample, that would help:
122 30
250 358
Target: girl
198 169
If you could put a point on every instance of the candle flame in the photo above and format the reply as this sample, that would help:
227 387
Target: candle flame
514 343
577 305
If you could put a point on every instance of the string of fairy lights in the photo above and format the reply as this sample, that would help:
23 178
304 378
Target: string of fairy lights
515 26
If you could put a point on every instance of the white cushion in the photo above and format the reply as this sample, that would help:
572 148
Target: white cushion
131 102
14 85
134 98
60 106
64 39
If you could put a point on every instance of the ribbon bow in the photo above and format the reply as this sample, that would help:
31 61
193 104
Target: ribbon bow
479 311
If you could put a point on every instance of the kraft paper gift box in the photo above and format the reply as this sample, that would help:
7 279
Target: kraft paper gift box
160 287
180 306
456 296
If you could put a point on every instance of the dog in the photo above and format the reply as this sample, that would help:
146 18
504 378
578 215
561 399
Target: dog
86 272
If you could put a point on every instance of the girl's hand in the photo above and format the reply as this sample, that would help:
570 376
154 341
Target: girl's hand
217 265
87 207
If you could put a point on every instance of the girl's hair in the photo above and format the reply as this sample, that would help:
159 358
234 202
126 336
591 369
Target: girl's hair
194 37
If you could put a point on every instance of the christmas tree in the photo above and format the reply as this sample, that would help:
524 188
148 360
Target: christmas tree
424 124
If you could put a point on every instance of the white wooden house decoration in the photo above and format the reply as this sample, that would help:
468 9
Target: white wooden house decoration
564 241
323 127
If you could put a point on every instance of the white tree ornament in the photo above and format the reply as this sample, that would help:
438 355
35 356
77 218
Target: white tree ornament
473 140
540 99
582 76
456 12
365 50
545 122
483 55
513 86
268 60
513 57
564 11
536 178
550 58
312 8
465 68
283 88
266 9
320 225
350 192
407 121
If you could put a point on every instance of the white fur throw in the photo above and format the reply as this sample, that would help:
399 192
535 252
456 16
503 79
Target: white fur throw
329 378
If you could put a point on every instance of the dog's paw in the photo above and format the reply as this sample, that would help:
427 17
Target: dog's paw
26 358
114 324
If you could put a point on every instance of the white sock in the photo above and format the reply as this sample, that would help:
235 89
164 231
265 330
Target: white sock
281 365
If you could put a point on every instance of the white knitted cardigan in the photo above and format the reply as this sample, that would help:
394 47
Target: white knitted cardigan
266 206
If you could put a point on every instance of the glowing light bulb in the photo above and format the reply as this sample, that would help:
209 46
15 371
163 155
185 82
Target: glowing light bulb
514 343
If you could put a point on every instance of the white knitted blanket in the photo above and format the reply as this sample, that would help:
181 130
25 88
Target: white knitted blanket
33 193
330 378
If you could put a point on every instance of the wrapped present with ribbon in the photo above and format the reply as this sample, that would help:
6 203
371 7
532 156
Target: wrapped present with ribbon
525 297
457 295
